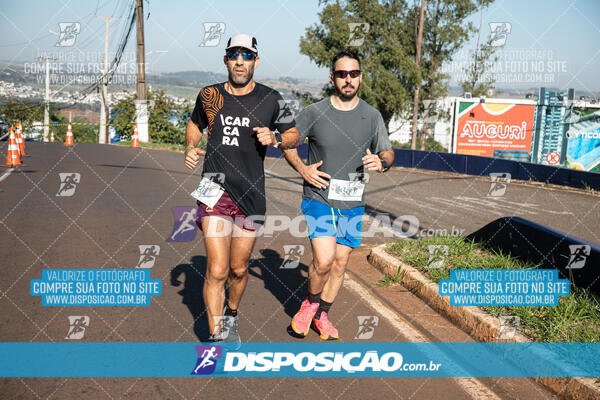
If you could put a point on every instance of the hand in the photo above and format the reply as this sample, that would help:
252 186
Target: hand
313 176
372 162
192 157
265 136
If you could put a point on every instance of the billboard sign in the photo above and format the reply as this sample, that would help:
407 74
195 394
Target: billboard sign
493 129
583 140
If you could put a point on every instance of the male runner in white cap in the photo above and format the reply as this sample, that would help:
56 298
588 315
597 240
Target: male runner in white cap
242 118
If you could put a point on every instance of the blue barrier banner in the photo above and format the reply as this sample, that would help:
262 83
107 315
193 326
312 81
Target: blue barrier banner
95 287
504 287
365 359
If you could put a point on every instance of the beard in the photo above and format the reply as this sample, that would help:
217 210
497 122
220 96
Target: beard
240 80
347 95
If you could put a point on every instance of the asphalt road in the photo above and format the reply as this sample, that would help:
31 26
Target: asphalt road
124 199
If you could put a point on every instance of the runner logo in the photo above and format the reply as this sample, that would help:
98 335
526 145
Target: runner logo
68 183
77 325
437 255
207 359
184 229
499 33
579 255
499 184
214 177
359 177
366 326
212 34
292 254
148 254
287 111
508 327
358 32
433 110
68 33
142 110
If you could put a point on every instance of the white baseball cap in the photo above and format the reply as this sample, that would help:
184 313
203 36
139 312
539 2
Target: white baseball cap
242 40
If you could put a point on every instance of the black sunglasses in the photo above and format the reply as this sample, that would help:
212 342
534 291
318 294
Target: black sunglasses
343 74
233 55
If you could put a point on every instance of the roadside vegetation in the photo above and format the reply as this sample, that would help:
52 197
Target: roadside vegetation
575 319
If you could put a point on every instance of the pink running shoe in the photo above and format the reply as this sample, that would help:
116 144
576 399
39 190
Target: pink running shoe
325 328
303 318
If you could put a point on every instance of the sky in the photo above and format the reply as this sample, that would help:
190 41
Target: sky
552 41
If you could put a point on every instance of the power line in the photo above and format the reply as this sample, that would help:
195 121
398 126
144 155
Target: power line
118 55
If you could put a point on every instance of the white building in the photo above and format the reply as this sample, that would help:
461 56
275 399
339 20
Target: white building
440 122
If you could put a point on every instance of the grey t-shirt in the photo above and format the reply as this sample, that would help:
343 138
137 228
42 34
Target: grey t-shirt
340 139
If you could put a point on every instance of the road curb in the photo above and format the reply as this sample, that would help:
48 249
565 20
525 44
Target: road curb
478 324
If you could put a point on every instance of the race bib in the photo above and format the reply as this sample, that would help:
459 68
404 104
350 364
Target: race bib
208 192
346 190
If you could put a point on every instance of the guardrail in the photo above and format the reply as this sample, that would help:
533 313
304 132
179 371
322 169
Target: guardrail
575 258
476 165
482 166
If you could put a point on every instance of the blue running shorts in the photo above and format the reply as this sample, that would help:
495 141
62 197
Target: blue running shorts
344 224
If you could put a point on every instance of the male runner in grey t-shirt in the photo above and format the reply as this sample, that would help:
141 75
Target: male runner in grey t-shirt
346 138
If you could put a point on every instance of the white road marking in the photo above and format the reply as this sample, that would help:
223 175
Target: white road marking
6 174
473 387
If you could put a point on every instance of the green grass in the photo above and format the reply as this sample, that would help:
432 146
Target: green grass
390 279
575 319
588 188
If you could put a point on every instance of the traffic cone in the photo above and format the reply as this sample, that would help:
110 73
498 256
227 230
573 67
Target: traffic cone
135 140
19 139
22 135
12 156
69 139
52 136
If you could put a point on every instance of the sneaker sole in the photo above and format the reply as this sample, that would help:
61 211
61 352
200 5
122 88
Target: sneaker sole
297 331
328 338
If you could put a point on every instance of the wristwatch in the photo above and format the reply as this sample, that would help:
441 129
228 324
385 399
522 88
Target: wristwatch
278 138
384 166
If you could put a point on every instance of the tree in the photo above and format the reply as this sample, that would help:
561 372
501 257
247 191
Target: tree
163 118
445 32
388 72
123 116
166 122
24 110
483 57
83 131
418 46
388 52
306 98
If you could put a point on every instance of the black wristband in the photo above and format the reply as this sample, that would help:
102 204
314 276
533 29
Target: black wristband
384 166
278 138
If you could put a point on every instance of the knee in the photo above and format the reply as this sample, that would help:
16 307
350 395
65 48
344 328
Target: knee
239 267
217 272
339 266
342 261
323 264
238 272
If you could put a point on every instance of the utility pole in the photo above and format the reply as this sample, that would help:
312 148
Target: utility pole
413 144
103 132
47 98
141 105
